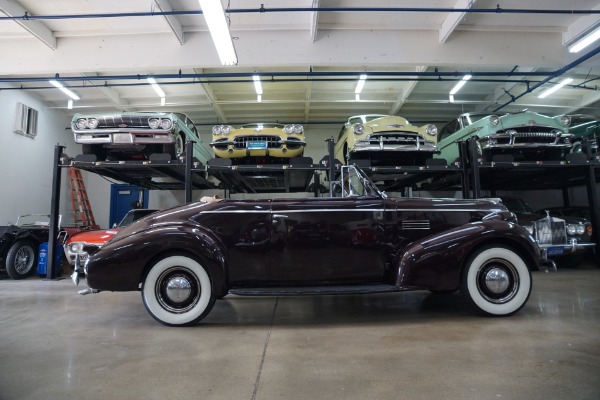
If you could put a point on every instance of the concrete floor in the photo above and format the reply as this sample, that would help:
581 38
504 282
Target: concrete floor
56 344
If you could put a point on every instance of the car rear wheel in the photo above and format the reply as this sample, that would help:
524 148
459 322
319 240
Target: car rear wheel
177 291
496 281
21 259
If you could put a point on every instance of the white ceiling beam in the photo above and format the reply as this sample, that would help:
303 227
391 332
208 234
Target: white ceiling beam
110 94
582 26
209 93
503 92
586 100
172 20
36 28
406 91
454 19
314 22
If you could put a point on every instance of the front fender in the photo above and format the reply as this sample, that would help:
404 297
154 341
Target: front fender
436 262
122 264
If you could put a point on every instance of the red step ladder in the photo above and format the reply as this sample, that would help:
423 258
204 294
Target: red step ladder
79 200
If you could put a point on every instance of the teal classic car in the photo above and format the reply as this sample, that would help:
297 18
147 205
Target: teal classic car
584 127
526 136
136 135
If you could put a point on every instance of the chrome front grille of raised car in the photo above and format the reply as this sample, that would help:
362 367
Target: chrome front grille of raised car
395 138
241 142
129 121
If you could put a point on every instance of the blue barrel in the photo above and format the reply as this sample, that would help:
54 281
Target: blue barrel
43 259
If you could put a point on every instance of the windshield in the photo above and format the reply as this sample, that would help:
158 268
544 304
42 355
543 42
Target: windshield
132 216
33 220
517 206
356 183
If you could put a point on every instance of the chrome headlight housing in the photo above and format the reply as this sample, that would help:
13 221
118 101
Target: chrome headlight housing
565 120
494 120
154 123
431 130
76 247
81 123
575 229
166 123
222 129
92 123
293 129
358 129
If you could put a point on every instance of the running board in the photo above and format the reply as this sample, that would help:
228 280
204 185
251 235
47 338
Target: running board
313 290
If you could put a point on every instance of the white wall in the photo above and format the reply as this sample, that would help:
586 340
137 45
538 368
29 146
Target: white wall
26 164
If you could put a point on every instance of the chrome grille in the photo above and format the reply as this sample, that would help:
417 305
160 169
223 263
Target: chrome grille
241 142
528 134
129 121
550 231
395 138
416 224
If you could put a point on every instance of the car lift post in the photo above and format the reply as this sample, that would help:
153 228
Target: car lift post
189 153
594 204
331 165
474 164
464 163
54 211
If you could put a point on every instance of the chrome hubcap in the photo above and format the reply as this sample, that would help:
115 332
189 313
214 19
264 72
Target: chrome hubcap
496 280
178 289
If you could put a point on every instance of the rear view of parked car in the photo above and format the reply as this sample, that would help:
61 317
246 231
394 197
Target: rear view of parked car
136 135
526 136
385 140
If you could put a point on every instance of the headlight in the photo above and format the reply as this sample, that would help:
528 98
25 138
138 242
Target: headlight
92 123
154 123
575 229
81 123
221 129
76 247
431 130
166 123
565 120
293 128
494 120
359 129
529 229
580 229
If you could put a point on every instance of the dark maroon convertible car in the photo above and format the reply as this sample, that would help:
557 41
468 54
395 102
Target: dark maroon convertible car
184 258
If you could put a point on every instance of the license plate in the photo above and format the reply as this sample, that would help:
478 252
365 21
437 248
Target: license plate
122 138
257 145
554 251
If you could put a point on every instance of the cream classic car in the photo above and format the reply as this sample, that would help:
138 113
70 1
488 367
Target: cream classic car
259 142
385 140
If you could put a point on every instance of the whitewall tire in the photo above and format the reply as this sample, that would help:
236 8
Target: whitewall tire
496 281
177 291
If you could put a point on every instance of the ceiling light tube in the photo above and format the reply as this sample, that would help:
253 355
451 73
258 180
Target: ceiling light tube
460 84
257 84
555 88
156 88
219 30
360 84
259 98
585 41
63 89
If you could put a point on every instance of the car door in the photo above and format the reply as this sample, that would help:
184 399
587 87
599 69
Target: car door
328 241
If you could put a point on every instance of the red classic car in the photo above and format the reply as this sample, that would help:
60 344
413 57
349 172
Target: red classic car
184 258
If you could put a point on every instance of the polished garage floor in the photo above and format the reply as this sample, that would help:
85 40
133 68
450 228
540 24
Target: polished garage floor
56 344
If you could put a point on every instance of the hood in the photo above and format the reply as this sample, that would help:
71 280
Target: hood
93 237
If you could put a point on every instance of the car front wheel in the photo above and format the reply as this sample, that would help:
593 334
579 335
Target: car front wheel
21 259
496 281
177 291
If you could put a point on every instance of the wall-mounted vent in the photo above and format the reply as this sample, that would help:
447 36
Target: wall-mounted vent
26 120
415 224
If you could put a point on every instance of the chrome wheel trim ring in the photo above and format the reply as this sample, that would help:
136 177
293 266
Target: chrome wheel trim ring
498 281
177 290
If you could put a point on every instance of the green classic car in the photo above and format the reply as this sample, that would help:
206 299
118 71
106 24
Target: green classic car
136 135
526 136
385 140
584 127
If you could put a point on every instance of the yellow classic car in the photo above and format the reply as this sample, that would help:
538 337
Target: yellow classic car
385 140
266 142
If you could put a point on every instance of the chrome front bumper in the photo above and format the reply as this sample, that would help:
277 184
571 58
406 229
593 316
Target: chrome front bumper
119 137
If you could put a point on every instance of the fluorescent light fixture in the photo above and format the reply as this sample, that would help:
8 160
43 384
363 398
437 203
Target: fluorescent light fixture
156 88
257 84
163 101
460 84
356 97
451 98
70 104
555 88
63 89
219 30
360 84
585 41
259 98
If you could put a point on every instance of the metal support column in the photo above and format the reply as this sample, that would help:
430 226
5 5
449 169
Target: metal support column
330 148
316 183
474 164
189 154
464 163
594 204
54 211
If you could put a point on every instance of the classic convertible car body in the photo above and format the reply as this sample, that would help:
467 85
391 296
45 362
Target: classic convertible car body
136 135
184 258
385 140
